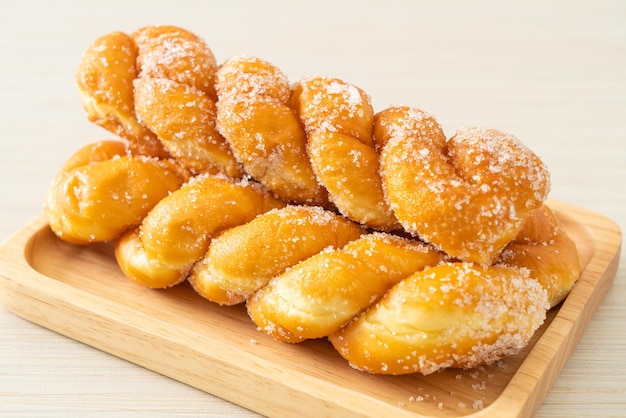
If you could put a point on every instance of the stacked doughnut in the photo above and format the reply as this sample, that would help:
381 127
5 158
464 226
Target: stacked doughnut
409 251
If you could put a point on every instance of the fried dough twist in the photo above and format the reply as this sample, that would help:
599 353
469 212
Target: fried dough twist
409 251
155 88
101 191
338 119
263 131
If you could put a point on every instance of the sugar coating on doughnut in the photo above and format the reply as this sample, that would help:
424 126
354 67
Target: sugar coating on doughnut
468 196
338 118
264 133
316 296
176 54
243 259
174 96
245 77
405 122
183 117
333 105
176 233
453 315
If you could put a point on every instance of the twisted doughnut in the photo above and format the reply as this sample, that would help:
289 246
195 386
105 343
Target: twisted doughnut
389 304
243 259
318 295
176 233
264 133
338 119
483 313
101 191
468 196
104 79
175 98
175 54
458 315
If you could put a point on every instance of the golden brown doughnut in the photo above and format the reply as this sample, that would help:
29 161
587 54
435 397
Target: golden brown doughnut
264 133
318 295
243 259
175 98
104 79
469 196
101 191
176 233
388 304
458 315
338 118
176 54
183 118
548 252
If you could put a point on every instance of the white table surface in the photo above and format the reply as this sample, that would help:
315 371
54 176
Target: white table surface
553 73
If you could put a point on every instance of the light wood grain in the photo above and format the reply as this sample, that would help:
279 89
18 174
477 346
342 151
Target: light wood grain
80 292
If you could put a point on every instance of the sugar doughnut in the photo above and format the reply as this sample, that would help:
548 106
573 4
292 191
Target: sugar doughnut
409 251
264 133
315 297
101 191
469 196
338 118
457 315
183 118
176 233
104 79
243 259
175 98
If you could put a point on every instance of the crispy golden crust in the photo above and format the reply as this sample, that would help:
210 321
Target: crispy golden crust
101 191
453 315
264 133
468 196
176 54
315 297
243 259
155 88
175 98
176 233
183 117
104 79
338 119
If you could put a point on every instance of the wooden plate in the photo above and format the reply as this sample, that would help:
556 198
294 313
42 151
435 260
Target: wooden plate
81 293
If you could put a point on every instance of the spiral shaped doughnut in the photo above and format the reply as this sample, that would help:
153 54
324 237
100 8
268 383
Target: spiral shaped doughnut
318 295
243 259
101 191
176 233
264 133
104 79
469 196
338 119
